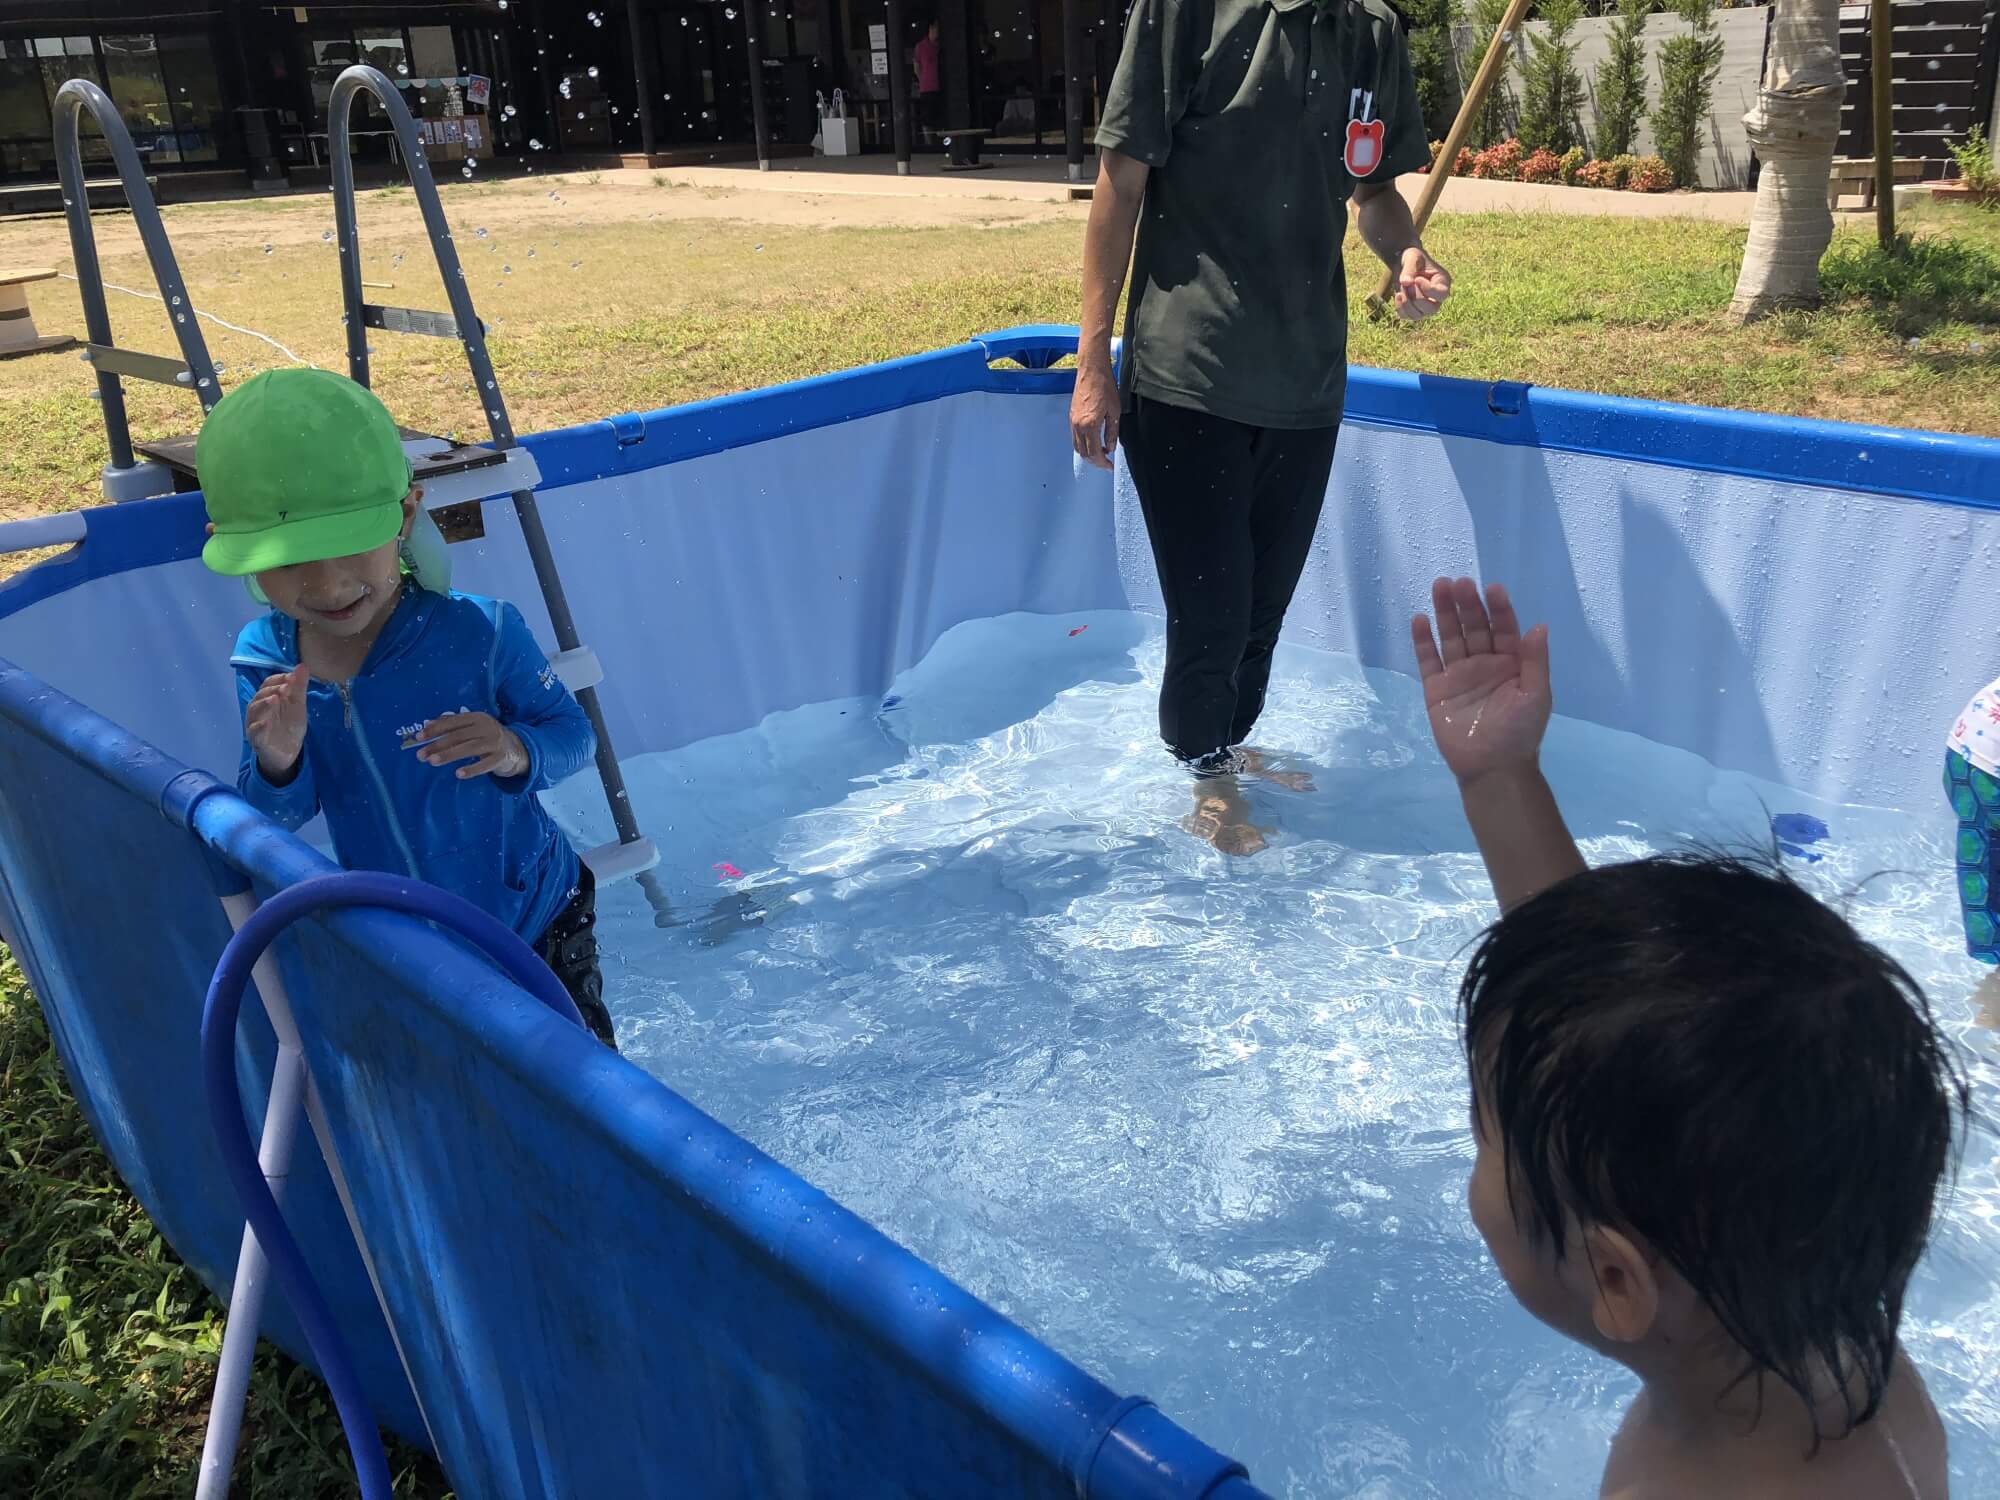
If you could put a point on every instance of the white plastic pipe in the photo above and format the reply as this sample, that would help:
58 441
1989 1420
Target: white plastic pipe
246 1292
42 531
291 1087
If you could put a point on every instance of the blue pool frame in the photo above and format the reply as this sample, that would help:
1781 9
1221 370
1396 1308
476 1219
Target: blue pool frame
693 1317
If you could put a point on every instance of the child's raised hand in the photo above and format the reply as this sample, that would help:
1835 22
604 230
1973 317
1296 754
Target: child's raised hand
275 724
1486 685
493 748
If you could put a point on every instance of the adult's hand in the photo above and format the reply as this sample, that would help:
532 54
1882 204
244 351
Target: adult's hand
1107 251
1422 285
1093 416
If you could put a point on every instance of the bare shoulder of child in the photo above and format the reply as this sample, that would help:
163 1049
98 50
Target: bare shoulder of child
1899 1455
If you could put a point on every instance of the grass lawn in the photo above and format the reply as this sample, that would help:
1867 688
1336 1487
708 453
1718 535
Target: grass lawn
598 308
611 298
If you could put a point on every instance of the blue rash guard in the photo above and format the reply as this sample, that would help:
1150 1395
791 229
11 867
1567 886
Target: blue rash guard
487 839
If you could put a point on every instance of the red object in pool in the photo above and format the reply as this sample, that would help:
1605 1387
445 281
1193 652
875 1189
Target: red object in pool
729 871
1078 631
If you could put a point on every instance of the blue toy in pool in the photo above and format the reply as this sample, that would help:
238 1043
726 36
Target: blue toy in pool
1794 831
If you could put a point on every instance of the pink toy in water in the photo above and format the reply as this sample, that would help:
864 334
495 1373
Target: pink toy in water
1078 631
729 871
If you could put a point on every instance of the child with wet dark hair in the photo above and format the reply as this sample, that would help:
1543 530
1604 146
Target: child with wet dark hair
1711 1120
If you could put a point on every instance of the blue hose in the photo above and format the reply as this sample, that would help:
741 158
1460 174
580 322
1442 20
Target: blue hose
225 1100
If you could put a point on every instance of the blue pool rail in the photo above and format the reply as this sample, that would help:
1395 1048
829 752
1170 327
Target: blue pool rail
223 1005
535 1207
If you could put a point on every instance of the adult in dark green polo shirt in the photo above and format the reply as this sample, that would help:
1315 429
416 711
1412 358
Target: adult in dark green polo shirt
1234 134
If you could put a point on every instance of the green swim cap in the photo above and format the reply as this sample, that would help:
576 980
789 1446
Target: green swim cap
298 466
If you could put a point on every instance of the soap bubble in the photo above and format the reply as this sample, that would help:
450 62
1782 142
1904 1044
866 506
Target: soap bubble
481 233
326 236
267 249
592 71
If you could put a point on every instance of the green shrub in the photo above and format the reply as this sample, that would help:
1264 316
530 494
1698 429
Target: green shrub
1688 67
1621 79
1552 89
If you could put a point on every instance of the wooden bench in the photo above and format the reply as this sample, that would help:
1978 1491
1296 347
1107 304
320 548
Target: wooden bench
1856 175
17 328
962 150
28 193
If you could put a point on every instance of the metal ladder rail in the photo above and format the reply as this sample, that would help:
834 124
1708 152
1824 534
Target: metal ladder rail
125 478
633 853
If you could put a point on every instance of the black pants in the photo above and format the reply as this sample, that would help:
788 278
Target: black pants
569 947
1231 511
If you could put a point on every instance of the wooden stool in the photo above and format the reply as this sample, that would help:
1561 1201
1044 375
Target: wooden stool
17 328
1855 175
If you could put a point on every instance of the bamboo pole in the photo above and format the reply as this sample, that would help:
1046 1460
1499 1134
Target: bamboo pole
1482 84
1880 23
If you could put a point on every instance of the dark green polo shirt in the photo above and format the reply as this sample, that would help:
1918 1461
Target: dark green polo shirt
1241 108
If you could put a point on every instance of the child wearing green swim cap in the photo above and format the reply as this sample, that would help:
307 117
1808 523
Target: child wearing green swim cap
421 722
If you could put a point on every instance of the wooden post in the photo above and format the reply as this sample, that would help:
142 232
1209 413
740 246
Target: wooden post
1881 22
1074 102
760 119
642 77
1475 97
899 89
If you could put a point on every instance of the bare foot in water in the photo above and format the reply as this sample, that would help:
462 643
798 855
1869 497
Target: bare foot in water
1265 768
1987 998
1221 817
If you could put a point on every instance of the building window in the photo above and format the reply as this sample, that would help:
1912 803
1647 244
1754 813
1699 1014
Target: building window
195 93
139 89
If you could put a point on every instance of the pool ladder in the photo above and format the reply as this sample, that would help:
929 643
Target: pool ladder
448 471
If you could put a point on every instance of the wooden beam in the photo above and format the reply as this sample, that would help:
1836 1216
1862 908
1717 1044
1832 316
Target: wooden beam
1881 22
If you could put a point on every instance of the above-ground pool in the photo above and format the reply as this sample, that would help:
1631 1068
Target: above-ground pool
881 666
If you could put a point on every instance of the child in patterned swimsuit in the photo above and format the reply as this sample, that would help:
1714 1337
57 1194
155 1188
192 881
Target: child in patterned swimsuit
1972 782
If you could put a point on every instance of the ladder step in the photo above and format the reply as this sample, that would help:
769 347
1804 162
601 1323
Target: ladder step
578 668
129 362
408 320
609 862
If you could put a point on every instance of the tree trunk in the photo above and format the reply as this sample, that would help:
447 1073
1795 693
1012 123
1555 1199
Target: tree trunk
1793 127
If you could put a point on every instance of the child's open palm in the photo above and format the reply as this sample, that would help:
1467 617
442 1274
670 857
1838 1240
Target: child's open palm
275 723
1486 685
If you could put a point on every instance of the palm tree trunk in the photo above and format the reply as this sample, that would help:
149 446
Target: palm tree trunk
1793 128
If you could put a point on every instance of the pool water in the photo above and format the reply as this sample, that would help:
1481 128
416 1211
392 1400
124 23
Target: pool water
1198 1121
